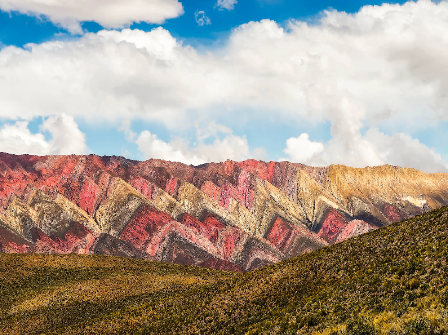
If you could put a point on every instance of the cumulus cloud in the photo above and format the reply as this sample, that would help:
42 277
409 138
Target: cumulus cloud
66 137
230 146
403 150
201 18
226 4
302 150
397 149
295 72
349 146
384 66
109 14
17 139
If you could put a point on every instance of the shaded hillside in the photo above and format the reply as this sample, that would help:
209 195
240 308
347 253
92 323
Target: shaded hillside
40 293
230 216
389 281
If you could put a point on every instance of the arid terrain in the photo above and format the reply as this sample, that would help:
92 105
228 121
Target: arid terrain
389 281
230 216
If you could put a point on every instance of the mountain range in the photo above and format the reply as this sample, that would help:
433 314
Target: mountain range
236 216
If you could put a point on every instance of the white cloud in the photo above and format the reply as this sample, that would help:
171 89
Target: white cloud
226 4
403 150
125 127
374 148
212 130
201 18
229 147
301 149
384 66
109 14
297 72
17 139
349 147
66 138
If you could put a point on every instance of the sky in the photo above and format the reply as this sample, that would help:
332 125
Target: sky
359 83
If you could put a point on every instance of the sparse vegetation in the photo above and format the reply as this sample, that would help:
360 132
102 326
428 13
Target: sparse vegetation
390 281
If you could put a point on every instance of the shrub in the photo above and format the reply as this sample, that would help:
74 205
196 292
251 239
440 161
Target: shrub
359 327
312 321
444 297
419 326
414 283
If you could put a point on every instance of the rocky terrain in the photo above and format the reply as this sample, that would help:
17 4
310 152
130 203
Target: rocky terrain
236 216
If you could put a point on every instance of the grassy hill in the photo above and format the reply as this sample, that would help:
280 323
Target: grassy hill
391 281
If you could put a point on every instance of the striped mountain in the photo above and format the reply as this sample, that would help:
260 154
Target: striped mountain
236 216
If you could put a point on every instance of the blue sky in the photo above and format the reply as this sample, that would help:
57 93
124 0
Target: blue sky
317 82
19 29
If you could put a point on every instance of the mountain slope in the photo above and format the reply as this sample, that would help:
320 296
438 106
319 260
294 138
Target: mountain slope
390 281
230 216
42 293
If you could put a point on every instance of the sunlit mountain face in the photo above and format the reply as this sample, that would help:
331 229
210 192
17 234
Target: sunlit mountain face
236 216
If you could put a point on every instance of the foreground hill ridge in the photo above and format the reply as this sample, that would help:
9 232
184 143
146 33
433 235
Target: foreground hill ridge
236 216
391 281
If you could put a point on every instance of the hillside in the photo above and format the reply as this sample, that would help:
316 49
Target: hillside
40 293
390 281
236 216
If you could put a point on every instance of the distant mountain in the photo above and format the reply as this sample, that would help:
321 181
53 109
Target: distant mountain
236 216
391 281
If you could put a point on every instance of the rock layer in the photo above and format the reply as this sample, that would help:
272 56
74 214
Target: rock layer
236 216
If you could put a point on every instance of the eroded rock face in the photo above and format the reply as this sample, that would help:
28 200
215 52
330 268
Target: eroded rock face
235 216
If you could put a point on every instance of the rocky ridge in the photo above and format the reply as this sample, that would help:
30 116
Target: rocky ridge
235 216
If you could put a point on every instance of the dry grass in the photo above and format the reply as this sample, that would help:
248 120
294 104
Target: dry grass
391 281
